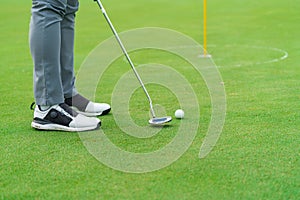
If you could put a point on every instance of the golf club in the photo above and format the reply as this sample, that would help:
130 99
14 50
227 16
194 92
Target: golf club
155 120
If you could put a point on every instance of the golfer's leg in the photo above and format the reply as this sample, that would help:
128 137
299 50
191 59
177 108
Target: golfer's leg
45 42
84 105
67 49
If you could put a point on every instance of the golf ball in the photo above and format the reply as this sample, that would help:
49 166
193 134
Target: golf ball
179 114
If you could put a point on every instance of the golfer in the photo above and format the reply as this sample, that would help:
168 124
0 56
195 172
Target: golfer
58 105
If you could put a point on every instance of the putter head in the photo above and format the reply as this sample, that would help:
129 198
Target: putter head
160 120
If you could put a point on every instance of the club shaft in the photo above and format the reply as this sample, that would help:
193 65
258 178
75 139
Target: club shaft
126 55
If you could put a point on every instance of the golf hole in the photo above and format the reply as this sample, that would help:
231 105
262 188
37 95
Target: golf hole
244 55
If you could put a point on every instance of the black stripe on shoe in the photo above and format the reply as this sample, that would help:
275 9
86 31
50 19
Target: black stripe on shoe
54 116
69 110
77 101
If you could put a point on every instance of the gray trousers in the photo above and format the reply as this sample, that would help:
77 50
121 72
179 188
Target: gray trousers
51 41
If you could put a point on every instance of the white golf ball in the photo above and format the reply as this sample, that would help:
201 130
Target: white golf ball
179 114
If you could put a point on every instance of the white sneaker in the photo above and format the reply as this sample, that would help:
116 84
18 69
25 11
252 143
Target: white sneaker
86 107
61 117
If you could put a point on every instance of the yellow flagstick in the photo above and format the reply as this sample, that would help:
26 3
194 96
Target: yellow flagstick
205 29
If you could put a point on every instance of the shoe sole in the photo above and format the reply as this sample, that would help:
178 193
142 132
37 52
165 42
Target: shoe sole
57 127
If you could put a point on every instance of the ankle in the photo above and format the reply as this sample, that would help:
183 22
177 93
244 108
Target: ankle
43 108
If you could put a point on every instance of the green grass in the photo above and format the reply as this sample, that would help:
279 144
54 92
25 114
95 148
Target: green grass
257 155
